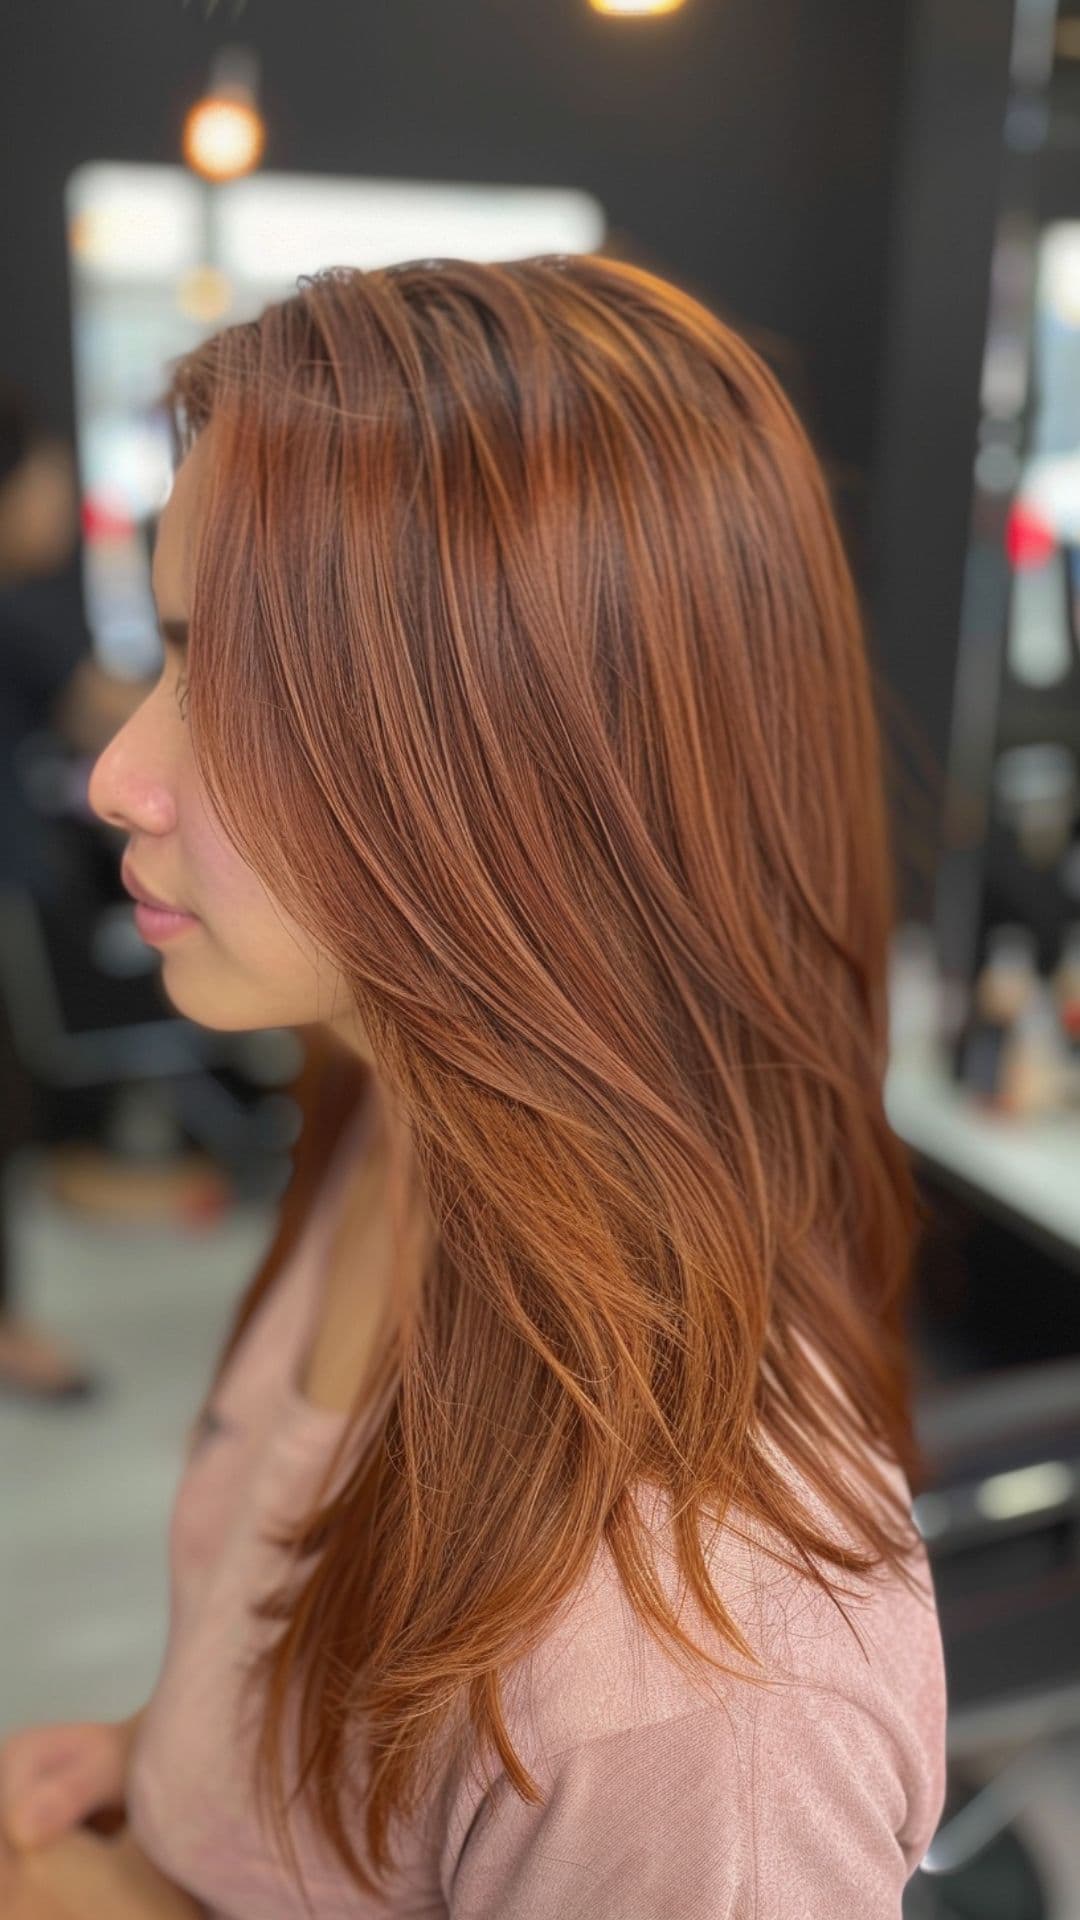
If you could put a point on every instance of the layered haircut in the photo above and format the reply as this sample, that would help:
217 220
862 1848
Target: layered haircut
526 668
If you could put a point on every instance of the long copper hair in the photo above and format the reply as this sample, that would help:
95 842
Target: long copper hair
527 669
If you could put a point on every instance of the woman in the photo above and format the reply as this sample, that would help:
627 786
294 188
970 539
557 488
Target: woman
515 737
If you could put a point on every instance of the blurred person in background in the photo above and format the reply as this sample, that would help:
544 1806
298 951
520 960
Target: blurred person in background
40 644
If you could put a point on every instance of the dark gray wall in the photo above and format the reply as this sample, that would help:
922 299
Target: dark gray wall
942 226
743 145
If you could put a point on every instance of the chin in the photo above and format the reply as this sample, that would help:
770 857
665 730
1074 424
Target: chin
210 1010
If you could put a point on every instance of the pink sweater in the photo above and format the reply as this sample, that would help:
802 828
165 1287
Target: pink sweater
813 1800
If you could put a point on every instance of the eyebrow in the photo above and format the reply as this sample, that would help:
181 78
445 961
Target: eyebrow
176 631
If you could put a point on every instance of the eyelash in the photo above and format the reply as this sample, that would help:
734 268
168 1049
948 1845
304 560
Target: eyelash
181 688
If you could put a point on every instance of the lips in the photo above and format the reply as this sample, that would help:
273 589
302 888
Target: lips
139 892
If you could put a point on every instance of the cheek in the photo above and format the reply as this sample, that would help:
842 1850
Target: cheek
232 903
221 875
221 886
256 932
250 932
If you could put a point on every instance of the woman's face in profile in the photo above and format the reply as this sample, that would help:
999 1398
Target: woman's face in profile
242 963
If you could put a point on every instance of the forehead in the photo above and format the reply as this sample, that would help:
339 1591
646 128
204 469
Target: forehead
174 544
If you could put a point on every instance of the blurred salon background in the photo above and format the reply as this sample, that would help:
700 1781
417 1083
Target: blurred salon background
884 195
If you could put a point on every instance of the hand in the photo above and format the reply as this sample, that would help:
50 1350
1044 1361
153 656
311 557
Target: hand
16 1899
82 1876
20 1897
53 1777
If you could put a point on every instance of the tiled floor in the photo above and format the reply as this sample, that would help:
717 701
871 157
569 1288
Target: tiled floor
86 1488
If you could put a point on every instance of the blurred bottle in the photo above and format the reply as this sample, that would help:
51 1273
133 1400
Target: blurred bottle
1065 981
1003 988
1036 1068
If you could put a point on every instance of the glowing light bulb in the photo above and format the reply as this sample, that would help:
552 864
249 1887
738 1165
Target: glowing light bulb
204 294
635 6
223 138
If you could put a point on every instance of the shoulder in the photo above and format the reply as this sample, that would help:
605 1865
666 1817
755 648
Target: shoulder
599 1671
736 1795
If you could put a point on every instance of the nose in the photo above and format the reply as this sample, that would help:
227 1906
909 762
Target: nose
129 786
